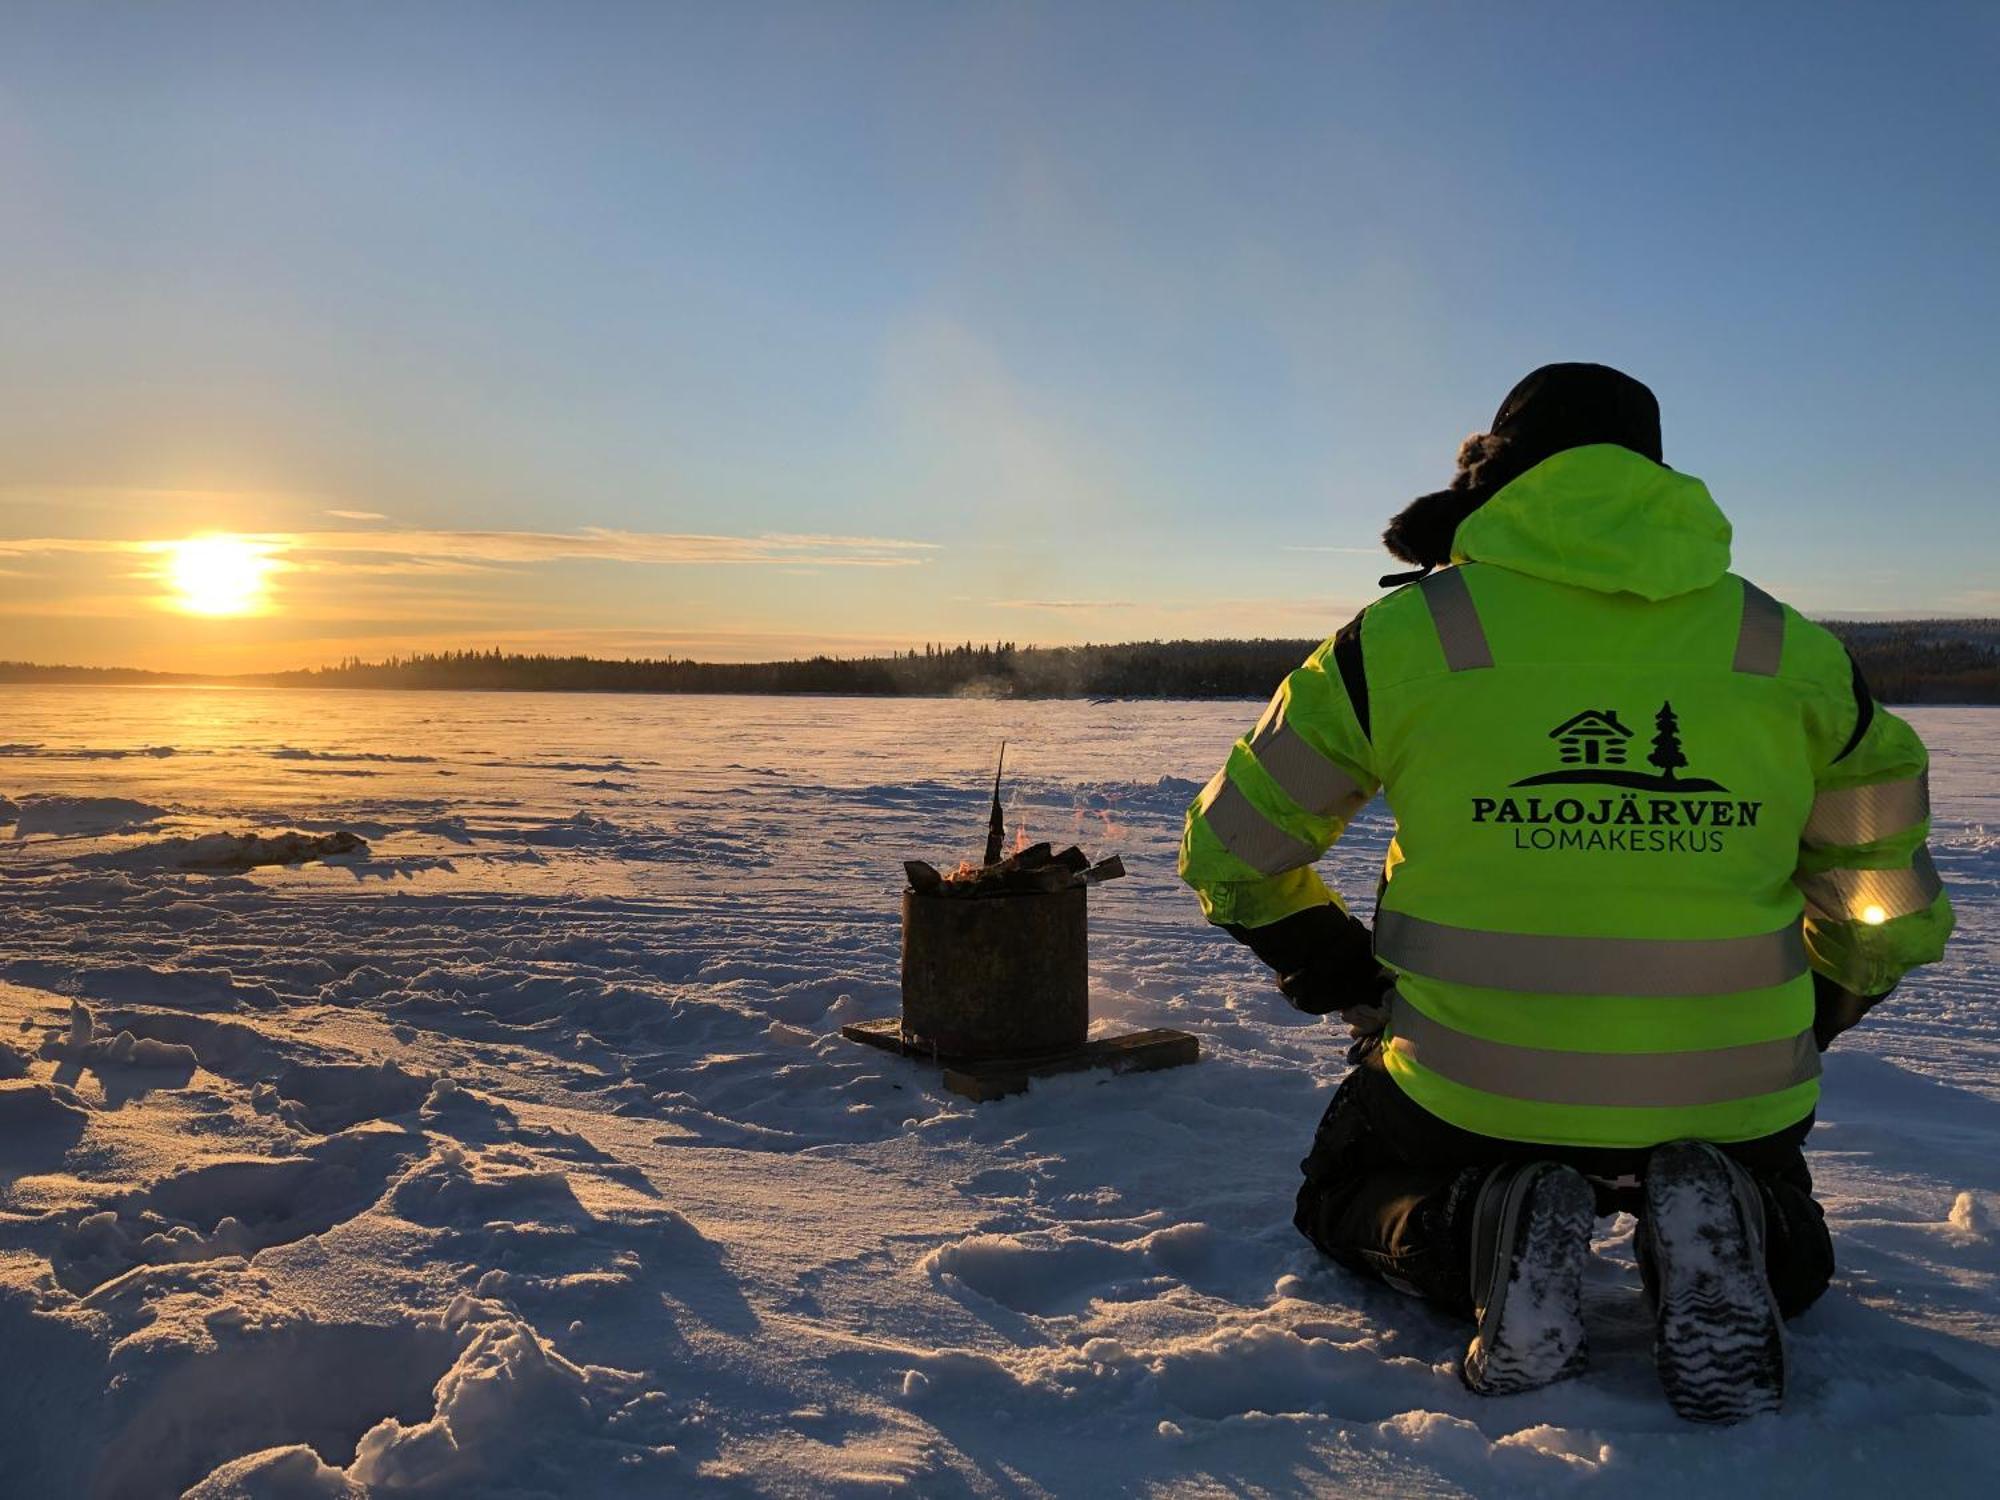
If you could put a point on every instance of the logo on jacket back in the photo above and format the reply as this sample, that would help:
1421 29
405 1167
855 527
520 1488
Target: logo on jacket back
1596 749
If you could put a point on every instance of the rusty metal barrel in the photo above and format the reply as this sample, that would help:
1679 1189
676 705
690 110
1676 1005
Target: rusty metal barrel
996 976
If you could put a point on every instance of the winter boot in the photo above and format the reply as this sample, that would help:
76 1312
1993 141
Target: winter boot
1718 1337
1530 1239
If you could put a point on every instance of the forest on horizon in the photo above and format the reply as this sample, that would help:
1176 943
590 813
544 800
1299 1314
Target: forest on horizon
1905 661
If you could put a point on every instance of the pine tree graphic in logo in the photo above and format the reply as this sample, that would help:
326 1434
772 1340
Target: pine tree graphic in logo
1667 743
1593 749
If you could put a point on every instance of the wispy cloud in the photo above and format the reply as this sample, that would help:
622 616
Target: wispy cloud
602 545
322 550
358 515
42 545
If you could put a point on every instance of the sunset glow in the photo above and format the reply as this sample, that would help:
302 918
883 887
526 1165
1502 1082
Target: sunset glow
218 576
933 325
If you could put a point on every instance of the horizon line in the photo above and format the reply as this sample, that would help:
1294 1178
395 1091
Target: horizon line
398 658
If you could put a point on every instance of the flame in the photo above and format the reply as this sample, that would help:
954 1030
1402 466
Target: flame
967 870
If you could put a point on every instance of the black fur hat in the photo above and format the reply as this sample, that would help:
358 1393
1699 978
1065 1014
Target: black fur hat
1557 407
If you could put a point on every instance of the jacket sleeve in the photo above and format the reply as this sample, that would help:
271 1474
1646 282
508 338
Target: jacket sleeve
1875 907
1287 790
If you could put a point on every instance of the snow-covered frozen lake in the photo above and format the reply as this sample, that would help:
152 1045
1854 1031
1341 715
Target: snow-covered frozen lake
521 1155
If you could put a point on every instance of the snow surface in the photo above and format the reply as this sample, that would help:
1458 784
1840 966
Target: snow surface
519 1155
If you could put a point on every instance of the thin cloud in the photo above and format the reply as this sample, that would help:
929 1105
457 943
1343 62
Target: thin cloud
598 544
357 515
36 546
592 543
411 567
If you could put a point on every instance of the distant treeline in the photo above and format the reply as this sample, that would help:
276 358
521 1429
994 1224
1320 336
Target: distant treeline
1926 661
27 671
1149 669
1905 661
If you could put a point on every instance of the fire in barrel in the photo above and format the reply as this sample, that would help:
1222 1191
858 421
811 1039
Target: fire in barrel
996 973
996 955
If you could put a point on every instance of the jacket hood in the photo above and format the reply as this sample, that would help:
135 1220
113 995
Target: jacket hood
1602 517
1556 408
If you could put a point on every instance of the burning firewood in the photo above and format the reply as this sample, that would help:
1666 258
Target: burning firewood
998 990
1032 869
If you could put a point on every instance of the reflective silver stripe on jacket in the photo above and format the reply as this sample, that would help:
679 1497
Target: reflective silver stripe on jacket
1873 896
1248 834
1632 1080
1863 814
1305 775
1457 620
1760 639
1589 965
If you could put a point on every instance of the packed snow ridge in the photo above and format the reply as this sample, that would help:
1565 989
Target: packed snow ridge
234 851
68 816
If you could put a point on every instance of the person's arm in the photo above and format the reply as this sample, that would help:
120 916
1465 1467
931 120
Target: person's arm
1875 907
1288 789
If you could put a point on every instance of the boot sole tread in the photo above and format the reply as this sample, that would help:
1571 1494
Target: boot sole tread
1544 1291
1719 1342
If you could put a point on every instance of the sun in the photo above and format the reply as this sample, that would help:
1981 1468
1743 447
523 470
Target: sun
218 575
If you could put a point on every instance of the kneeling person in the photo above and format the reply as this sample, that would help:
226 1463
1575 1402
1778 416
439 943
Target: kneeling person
1655 846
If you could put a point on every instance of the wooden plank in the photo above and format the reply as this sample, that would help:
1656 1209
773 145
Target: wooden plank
994 1078
886 1034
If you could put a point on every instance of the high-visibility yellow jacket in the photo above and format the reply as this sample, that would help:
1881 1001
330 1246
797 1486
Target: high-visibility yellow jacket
1637 802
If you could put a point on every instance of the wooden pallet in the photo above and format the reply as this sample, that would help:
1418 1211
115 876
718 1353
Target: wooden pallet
996 1077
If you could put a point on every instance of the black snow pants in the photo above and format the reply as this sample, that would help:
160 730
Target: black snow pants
1389 1188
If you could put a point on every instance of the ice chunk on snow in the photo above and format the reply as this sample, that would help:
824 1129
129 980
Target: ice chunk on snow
293 1473
146 1052
508 1389
1969 1214
81 1043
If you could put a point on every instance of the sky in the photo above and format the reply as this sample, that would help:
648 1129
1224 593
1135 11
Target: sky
744 331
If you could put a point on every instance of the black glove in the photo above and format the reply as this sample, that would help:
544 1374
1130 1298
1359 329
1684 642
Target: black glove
1325 962
1835 1009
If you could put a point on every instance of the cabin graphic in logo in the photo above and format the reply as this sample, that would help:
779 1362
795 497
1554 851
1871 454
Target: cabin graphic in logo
1593 746
1593 737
